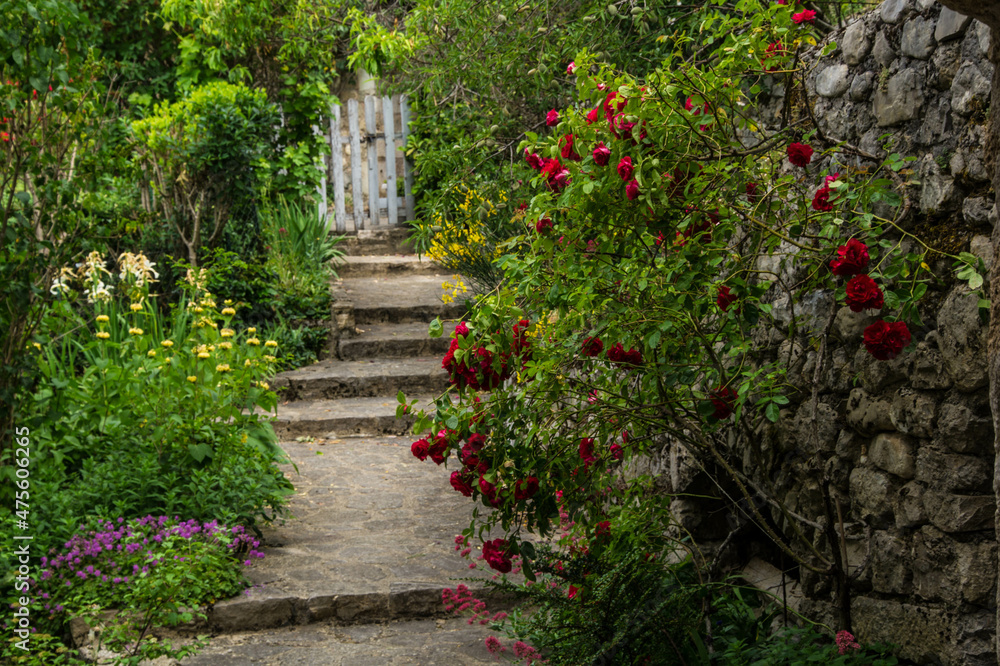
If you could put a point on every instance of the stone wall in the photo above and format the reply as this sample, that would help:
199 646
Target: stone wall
906 445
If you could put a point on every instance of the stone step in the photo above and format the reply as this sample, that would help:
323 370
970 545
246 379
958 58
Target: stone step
385 240
394 341
331 379
413 298
372 541
344 417
384 265
423 642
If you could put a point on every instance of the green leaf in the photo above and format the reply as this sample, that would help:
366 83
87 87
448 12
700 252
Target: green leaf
435 330
976 281
401 397
772 412
451 422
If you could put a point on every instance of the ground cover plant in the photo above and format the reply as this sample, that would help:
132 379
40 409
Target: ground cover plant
665 226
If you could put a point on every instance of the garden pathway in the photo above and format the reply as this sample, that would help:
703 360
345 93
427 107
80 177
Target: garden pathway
355 577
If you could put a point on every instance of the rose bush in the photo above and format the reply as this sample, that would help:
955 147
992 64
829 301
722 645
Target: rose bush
644 297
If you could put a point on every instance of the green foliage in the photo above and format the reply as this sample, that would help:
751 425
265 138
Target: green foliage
270 45
800 646
299 236
204 155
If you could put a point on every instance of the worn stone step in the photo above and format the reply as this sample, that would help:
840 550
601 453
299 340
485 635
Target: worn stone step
386 240
333 378
394 341
413 298
429 642
383 265
345 417
372 541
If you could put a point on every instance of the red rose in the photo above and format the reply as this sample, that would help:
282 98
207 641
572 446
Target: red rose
821 200
752 194
420 448
799 154
543 225
526 488
567 148
807 16
632 189
625 168
602 154
593 115
852 259
461 330
863 294
592 346
616 451
610 110
725 298
723 400
557 176
460 483
493 553
689 105
439 447
604 529
533 160
552 118
774 51
829 179
884 340
489 491
586 451
571 67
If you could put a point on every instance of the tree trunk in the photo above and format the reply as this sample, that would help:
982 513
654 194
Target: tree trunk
989 13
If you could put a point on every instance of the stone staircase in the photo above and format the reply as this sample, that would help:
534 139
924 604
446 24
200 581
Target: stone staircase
355 577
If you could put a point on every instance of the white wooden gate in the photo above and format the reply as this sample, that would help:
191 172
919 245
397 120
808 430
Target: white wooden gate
382 158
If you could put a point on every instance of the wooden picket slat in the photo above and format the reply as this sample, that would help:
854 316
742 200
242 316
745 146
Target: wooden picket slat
390 160
355 130
404 120
337 162
370 129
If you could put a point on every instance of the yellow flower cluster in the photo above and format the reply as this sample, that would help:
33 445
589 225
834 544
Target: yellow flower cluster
452 290
464 240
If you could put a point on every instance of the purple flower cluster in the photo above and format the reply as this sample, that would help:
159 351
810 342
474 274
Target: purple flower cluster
118 550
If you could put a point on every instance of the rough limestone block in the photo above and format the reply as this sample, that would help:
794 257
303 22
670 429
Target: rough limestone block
959 513
891 568
953 472
910 510
856 43
871 493
894 11
894 453
976 210
861 86
937 193
883 52
918 38
963 341
950 25
866 414
970 91
901 101
982 247
913 413
965 431
832 81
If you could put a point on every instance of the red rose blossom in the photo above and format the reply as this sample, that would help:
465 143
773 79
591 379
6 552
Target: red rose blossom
552 118
526 488
592 346
493 553
863 294
723 400
543 225
807 16
602 154
567 151
571 67
593 114
799 154
533 159
725 298
852 259
625 168
821 200
616 451
752 192
420 448
885 340
460 482
632 189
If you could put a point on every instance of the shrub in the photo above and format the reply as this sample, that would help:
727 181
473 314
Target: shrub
202 154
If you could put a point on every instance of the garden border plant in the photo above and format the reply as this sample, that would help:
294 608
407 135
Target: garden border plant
667 228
